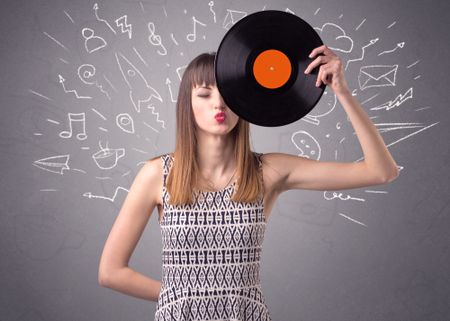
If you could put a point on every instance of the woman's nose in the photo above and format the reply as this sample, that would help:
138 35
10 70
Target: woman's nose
219 102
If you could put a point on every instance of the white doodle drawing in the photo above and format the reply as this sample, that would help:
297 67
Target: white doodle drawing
62 80
106 158
173 39
68 16
140 57
369 99
180 71
140 90
328 104
290 11
401 126
121 22
157 131
232 17
86 73
352 219
339 41
363 49
307 145
53 121
95 8
391 25
165 11
361 23
377 76
111 199
103 177
193 36
77 120
399 45
140 151
211 5
400 99
125 122
92 42
375 192
64 61
339 195
168 83
152 108
413 64
56 41
417 77
155 39
40 95
54 164
109 83
317 11
98 113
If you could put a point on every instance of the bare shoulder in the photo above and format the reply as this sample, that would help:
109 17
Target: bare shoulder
272 164
154 170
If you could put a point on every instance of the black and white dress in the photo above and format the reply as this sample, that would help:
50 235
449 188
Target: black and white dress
211 253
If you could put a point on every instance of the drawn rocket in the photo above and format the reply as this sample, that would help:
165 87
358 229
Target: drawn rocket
140 90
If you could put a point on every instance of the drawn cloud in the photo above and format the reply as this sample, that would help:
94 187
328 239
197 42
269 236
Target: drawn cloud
335 38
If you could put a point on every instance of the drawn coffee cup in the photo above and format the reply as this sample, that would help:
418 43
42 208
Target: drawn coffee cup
106 158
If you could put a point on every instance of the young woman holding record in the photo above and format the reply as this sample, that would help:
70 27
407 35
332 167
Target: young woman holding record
214 197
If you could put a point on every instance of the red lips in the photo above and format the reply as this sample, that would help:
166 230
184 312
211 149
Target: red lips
220 117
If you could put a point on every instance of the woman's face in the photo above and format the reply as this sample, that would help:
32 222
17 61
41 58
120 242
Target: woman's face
206 103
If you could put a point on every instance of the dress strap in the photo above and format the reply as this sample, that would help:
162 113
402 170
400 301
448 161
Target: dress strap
167 163
258 156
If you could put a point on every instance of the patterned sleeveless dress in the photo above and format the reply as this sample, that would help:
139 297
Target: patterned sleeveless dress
211 252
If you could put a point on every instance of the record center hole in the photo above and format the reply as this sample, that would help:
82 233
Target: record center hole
272 68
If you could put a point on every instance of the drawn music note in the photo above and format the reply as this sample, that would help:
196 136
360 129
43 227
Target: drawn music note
77 119
155 39
192 36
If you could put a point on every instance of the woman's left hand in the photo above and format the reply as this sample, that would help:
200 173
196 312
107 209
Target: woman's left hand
331 71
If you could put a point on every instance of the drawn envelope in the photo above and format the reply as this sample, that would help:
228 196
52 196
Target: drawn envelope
377 76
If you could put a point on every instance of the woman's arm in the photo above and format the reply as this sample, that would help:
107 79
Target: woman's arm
378 166
377 157
136 210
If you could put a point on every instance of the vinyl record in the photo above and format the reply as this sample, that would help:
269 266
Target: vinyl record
259 68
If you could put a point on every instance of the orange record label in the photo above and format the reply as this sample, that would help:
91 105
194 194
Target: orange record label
272 68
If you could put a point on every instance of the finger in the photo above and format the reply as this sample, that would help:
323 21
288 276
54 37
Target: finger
316 51
325 76
322 49
319 77
316 62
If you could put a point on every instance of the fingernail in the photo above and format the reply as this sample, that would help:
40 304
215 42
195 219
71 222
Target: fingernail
310 55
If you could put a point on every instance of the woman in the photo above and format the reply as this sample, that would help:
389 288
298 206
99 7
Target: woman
214 205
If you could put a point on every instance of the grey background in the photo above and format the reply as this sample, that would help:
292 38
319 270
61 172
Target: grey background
382 257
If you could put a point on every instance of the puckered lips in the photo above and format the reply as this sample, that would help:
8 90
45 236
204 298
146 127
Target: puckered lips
220 117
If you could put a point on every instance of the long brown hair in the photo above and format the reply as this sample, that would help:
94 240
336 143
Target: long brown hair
183 177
